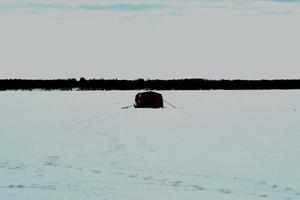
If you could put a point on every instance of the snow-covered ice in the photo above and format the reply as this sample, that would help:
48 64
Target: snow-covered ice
216 145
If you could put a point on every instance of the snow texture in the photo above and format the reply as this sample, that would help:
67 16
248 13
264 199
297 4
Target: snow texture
227 145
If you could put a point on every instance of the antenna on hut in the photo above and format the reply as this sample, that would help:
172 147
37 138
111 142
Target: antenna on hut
125 107
170 104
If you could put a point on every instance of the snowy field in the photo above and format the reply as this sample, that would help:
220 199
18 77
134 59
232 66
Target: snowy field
228 145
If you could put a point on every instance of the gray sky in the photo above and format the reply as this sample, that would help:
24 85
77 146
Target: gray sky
149 39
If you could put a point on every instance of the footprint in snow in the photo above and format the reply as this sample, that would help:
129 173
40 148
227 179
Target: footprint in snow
176 183
147 178
96 171
197 187
12 165
263 195
225 191
52 160
133 175
16 186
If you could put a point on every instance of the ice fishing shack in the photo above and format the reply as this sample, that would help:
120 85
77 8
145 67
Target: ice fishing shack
148 99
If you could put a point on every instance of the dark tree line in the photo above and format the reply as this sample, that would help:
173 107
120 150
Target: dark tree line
141 84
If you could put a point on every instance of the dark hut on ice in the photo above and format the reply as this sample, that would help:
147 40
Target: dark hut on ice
148 100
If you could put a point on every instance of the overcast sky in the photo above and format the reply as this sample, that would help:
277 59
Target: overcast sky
244 39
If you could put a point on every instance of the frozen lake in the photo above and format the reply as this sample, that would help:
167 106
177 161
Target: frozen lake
216 145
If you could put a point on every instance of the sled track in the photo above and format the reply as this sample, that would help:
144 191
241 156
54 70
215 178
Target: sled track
131 177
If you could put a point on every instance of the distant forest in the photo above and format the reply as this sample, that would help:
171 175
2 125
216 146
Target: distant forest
141 84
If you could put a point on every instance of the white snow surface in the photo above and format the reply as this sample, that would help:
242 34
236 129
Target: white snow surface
228 145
